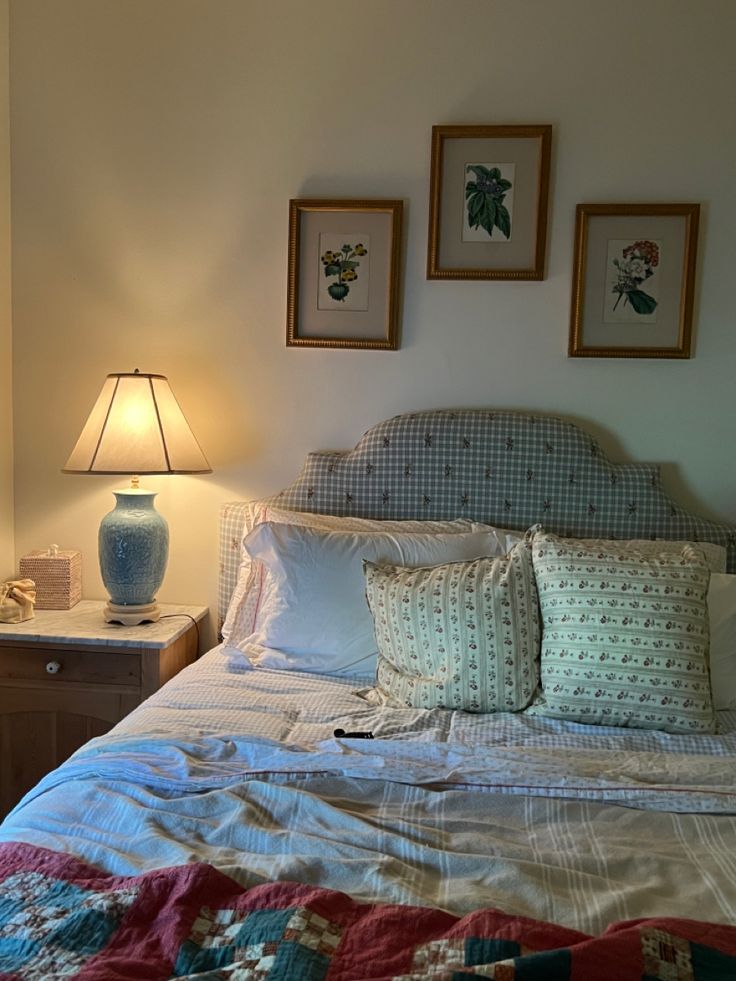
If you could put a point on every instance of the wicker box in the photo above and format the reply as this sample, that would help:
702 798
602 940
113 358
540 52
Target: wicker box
57 574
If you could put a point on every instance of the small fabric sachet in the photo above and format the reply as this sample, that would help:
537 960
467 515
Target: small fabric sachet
17 599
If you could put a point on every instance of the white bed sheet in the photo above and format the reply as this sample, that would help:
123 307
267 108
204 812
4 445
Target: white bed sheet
240 768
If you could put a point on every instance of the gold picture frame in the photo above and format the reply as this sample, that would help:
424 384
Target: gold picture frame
343 280
633 280
488 201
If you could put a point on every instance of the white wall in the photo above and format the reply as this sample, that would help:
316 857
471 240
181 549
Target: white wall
7 547
155 146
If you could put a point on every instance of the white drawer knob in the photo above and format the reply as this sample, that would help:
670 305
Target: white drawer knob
53 667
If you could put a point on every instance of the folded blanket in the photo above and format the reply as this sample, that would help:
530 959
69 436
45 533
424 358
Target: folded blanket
684 783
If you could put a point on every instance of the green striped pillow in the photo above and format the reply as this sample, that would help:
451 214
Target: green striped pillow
464 635
624 634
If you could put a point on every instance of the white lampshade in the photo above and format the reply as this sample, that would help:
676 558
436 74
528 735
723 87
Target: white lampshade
136 427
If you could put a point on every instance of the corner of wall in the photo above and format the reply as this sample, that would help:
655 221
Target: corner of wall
7 510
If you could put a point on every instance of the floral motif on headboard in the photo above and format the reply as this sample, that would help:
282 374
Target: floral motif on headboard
509 469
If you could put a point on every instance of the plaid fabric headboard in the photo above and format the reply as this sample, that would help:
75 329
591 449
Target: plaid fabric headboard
509 469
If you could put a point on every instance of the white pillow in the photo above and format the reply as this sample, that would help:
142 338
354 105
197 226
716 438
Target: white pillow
240 618
312 613
722 618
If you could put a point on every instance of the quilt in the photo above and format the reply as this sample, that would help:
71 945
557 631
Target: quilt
61 918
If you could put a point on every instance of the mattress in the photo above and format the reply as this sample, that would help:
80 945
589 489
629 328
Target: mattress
240 768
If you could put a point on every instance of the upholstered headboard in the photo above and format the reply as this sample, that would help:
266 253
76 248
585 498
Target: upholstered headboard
509 469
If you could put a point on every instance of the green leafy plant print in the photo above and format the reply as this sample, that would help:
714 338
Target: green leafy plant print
484 199
343 265
636 265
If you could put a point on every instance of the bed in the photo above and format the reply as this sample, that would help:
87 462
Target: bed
254 819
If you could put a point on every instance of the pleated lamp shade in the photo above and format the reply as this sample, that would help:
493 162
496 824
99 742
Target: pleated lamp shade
135 427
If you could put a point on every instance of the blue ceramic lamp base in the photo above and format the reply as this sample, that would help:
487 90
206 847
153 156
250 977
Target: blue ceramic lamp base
134 549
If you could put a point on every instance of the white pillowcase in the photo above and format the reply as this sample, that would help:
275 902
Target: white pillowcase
240 620
722 618
312 613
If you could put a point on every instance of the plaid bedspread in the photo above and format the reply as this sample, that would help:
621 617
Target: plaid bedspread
62 918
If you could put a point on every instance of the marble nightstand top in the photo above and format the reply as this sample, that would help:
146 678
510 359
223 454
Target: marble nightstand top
83 624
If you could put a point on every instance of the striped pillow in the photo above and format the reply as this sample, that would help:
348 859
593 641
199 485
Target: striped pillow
624 635
464 635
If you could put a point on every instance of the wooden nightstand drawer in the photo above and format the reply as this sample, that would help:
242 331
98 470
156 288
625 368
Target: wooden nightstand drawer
66 676
17 664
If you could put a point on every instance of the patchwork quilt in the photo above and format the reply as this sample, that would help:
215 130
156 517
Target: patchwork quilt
61 918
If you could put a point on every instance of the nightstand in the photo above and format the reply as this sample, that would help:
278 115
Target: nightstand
66 676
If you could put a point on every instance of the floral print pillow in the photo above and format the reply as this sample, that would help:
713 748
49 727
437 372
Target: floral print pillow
624 634
464 635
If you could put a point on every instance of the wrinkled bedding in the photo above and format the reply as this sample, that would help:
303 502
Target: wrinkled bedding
237 767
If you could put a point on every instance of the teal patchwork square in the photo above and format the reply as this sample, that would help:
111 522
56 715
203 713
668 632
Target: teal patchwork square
480 951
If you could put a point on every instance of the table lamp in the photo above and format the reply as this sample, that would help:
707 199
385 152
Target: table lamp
135 427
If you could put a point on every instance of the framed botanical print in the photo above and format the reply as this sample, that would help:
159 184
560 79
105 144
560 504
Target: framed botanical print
633 280
343 282
489 189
